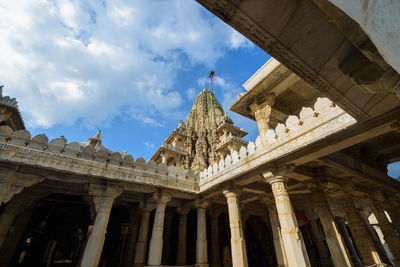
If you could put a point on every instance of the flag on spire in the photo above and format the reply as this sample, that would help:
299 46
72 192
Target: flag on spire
212 77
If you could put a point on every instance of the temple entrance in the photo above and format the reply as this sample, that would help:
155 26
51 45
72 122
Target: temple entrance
259 243
55 234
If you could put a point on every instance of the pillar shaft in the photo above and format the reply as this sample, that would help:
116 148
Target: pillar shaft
277 237
103 198
362 239
388 232
215 249
141 244
156 241
201 242
295 248
340 255
181 255
317 237
238 244
347 239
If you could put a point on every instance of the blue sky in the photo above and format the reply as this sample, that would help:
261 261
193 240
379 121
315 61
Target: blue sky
129 68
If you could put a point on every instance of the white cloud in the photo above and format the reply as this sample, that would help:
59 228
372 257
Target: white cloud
149 145
191 93
93 60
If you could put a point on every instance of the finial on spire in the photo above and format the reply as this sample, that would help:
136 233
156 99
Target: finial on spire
212 77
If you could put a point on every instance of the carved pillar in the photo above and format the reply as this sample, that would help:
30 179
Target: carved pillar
293 242
141 244
341 222
238 243
276 232
156 241
103 198
130 253
388 232
362 239
201 242
317 237
215 249
181 253
262 113
340 255
17 205
380 248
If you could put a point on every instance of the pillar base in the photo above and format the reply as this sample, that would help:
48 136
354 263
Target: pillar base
201 265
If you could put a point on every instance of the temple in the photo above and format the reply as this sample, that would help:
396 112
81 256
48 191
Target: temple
207 136
311 190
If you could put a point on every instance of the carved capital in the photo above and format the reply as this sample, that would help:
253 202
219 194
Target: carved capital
161 198
146 206
277 174
231 192
201 203
103 195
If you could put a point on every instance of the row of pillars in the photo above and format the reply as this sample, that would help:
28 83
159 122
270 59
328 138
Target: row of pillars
288 241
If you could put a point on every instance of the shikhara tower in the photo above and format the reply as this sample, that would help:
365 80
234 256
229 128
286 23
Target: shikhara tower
207 135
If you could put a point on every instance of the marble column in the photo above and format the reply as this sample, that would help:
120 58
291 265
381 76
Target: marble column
103 198
293 242
317 237
388 232
238 243
201 242
337 247
130 253
276 232
141 243
262 114
341 223
215 249
181 253
156 241
363 241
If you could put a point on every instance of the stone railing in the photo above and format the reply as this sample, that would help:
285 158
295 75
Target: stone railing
312 124
174 148
19 147
230 137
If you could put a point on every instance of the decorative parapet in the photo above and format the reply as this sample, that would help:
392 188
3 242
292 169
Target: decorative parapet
175 149
20 148
230 138
311 125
